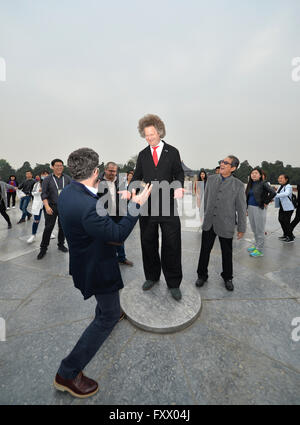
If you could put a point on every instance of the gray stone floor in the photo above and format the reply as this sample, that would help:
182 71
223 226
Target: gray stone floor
239 350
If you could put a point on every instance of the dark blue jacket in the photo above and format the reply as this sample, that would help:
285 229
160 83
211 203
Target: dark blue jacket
93 262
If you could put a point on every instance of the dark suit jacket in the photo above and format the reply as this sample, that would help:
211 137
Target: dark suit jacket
168 169
93 263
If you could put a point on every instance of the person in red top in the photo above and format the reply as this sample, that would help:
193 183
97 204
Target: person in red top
11 193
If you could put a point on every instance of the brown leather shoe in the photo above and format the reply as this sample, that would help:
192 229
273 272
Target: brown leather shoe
126 262
81 386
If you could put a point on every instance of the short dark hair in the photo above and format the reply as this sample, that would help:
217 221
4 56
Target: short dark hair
57 160
28 171
110 163
45 171
218 167
285 176
82 163
235 161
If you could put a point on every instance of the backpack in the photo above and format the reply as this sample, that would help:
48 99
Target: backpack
294 200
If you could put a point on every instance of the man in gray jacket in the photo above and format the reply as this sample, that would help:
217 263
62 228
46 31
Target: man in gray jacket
224 204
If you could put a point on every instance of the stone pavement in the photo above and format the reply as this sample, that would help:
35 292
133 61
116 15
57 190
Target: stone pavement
238 351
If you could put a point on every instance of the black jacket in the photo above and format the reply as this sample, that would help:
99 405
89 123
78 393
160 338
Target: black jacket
263 193
27 186
169 169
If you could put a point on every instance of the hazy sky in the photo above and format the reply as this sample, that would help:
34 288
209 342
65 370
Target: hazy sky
82 72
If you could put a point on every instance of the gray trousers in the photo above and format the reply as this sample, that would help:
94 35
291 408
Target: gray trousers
257 219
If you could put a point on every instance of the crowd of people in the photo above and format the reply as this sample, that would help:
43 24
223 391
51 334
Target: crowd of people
96 240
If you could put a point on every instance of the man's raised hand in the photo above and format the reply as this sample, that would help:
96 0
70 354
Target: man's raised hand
143 196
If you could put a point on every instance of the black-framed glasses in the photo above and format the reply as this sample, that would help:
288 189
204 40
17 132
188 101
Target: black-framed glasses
224 162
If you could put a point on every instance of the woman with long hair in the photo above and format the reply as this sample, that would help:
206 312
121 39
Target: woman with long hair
37 205
258 194
283 201
200 188
11 193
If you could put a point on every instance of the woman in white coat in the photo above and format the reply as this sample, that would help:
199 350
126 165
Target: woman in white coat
283 201
37 206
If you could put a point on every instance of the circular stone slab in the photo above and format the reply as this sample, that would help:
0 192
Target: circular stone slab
156 310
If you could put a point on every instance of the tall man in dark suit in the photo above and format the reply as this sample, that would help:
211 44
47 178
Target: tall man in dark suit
91 235
160 162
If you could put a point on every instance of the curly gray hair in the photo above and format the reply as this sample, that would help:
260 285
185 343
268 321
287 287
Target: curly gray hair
151 120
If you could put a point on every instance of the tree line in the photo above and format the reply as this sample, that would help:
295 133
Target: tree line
6 170
273 170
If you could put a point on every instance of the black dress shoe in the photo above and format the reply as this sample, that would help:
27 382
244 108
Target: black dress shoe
176 293
81 386
288 240
21 221
29 216
63 248
200 281
41 254
229 285
9 226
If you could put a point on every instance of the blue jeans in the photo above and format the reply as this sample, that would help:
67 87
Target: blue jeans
23 206
36 222
107 315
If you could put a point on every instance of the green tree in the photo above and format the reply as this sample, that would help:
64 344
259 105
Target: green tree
41 167
243 171
21 172
5 170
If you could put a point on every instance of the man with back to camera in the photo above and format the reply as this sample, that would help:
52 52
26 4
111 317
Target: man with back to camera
51 189
159 162
94 267
224 197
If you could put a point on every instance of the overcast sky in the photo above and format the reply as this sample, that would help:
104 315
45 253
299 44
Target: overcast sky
82 72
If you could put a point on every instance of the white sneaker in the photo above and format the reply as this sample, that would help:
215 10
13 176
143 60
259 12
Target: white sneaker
53 236
31 239
14 207
8 208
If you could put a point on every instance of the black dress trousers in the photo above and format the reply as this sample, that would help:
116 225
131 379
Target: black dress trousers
284 218
170 260
208 240
49 226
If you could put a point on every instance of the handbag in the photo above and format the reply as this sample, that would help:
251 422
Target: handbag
20 193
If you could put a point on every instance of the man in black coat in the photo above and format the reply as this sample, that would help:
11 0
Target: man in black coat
91 235
160 162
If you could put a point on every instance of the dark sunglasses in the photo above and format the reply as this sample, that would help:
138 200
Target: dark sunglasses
224 162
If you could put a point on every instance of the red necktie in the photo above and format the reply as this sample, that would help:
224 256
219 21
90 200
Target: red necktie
155 157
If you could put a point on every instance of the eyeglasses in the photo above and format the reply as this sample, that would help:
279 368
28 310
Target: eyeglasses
224 162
